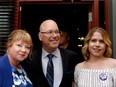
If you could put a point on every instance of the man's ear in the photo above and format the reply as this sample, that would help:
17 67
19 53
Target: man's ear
40 36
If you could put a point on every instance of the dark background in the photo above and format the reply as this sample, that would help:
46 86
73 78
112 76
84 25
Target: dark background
72 18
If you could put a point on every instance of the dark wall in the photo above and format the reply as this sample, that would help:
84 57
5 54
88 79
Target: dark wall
71 17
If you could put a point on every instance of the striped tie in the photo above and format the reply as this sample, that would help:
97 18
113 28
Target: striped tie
50 70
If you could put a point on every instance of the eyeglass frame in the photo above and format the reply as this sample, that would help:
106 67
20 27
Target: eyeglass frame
51 32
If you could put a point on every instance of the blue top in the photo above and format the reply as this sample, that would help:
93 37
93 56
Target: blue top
6 74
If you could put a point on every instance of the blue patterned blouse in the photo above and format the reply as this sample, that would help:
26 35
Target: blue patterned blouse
20 78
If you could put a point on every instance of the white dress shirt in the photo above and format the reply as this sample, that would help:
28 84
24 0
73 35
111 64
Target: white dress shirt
57 62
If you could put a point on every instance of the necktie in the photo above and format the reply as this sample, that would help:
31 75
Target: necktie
50 70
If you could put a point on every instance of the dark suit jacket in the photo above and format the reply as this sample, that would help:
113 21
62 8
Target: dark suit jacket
36 75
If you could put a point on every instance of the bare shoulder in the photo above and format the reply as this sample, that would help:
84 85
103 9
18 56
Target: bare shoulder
112 62
80 65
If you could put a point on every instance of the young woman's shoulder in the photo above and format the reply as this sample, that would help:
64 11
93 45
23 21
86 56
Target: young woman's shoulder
112 62
80 65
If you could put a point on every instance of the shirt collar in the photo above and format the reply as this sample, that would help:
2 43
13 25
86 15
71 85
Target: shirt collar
56 53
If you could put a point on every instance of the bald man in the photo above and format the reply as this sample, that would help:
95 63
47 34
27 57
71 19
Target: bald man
63 60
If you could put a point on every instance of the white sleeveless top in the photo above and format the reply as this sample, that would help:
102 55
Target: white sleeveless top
94 77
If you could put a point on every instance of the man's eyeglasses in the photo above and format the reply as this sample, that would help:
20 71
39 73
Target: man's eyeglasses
51 32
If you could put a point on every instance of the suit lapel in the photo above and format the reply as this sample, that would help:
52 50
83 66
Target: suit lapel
64 61
38 68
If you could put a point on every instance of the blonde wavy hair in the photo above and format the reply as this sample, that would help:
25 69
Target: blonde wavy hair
108 50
